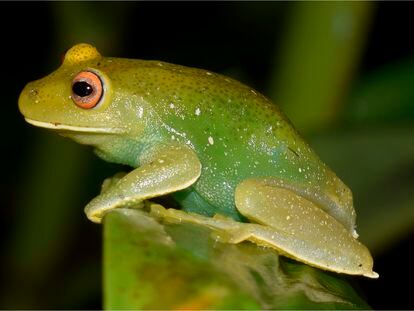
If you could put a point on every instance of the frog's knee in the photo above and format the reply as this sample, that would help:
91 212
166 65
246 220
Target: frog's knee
249 197
244 192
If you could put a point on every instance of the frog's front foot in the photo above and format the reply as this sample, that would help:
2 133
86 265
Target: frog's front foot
111 182
106 201
110 196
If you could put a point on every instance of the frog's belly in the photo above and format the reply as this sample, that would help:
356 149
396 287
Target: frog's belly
213 193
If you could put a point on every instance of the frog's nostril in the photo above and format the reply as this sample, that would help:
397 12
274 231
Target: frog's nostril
33 95
33 92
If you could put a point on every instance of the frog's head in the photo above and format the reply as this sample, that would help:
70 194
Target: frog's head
83 100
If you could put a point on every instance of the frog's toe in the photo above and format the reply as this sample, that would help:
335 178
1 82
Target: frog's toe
371 274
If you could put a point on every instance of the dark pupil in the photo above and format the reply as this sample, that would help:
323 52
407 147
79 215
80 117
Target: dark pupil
82 88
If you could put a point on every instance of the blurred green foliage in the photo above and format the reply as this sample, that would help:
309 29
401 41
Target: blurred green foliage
386 95
308 56
320 49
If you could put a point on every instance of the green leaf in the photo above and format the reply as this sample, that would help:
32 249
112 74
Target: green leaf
150 265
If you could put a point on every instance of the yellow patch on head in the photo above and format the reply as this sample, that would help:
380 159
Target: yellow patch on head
80 53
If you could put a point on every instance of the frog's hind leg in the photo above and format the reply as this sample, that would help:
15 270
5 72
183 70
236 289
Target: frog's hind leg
302 230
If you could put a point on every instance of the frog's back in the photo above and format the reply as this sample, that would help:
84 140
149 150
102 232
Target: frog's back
236 132
225 120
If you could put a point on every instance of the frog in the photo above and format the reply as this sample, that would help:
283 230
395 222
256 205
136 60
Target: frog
223 152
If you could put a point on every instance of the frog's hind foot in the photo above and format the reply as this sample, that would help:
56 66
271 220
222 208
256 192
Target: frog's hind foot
299 228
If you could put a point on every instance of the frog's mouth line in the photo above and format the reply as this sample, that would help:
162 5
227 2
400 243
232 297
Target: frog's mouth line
65 127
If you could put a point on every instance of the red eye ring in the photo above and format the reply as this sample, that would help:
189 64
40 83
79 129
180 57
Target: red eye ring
87 89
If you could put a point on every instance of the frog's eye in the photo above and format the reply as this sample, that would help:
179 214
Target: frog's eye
87 89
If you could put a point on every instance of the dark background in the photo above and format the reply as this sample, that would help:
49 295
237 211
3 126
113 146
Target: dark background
51 253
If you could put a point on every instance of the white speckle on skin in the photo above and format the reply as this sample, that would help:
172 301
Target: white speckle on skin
197 111
188 142
300 170
269 130
140 112
172 137
210 140
173 131
172 106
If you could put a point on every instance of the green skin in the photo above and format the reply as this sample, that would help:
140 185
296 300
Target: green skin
203 137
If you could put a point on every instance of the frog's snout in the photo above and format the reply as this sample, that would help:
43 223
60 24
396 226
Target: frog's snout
28 99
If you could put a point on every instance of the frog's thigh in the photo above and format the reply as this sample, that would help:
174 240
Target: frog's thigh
170 169
301 229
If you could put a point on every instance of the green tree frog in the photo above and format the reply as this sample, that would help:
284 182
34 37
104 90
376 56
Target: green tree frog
224 152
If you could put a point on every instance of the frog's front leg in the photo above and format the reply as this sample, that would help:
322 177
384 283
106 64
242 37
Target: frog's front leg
168 169
300 228
110 182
